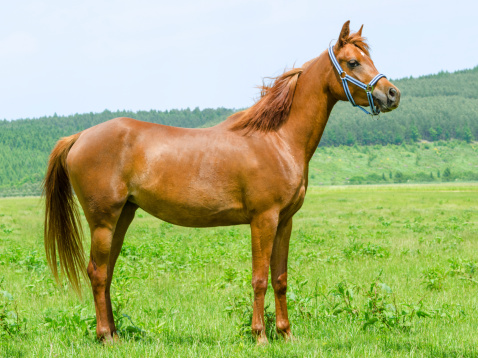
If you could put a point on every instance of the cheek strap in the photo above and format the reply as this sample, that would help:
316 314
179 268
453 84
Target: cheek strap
367 88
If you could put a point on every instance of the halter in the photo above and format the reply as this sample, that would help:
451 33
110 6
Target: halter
368 88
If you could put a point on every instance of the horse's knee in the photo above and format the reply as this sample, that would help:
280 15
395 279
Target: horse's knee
259 285
280 284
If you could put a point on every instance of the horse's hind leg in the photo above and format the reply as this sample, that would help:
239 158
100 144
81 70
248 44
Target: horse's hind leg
126 217
280 252
107 233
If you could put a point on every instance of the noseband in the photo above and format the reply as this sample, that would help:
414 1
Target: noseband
368 88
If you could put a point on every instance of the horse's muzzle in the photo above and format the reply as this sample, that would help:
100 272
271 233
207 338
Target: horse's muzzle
387 100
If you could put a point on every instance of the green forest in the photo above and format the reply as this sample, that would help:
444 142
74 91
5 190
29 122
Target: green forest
441 108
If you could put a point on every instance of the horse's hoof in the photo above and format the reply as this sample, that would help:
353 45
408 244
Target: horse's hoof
262 340
289 337
116 338
108 339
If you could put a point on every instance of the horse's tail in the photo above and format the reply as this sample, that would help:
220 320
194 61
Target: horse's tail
63 232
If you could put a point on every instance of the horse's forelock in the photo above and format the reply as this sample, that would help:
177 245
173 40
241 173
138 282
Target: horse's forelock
359 41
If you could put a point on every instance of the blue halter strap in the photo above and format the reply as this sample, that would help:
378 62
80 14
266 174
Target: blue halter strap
368 88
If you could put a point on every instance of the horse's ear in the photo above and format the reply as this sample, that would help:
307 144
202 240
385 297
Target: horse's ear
359 32
344 33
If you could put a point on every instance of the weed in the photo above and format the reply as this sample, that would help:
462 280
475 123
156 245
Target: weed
10 322
301 304
33 262
76 319
433 278
463 269
125 326
228 278
379 305
356 249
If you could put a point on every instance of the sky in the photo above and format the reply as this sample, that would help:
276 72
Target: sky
69 57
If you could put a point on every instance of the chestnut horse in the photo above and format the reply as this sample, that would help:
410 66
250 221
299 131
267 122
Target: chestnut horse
250 169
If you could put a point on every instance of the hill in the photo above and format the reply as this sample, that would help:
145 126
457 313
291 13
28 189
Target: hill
439 107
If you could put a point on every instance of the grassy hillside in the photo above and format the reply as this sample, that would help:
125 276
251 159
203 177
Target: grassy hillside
436 108
180 292
406 163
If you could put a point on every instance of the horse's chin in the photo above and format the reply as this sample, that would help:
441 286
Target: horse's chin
383 107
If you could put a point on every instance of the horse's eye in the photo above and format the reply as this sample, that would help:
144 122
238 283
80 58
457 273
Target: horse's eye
353 63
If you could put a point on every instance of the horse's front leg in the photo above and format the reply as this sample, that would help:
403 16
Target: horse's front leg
263 232
280 252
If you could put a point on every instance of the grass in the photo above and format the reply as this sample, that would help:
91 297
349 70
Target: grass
374 271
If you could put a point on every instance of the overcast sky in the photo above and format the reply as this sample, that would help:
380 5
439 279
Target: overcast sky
81 56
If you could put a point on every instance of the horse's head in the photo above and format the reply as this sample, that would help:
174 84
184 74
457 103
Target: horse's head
352 55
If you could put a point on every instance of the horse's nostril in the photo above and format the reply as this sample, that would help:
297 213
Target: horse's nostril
392 92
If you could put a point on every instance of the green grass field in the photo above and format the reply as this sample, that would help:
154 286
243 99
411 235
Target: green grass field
374 271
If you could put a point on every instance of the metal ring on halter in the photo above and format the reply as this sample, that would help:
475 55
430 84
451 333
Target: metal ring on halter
367 87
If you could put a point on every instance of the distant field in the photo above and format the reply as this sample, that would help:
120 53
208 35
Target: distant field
425 162
375 271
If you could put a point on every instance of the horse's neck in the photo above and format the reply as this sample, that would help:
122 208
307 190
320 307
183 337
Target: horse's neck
310 110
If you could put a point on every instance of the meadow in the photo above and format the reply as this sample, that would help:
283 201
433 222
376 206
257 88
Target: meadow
374 271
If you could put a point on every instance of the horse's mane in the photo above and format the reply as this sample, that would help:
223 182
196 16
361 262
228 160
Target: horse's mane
273 107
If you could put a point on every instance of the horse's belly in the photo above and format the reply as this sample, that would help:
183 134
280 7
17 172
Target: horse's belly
193 219
192 211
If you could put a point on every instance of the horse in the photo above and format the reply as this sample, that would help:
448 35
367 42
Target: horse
251 169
